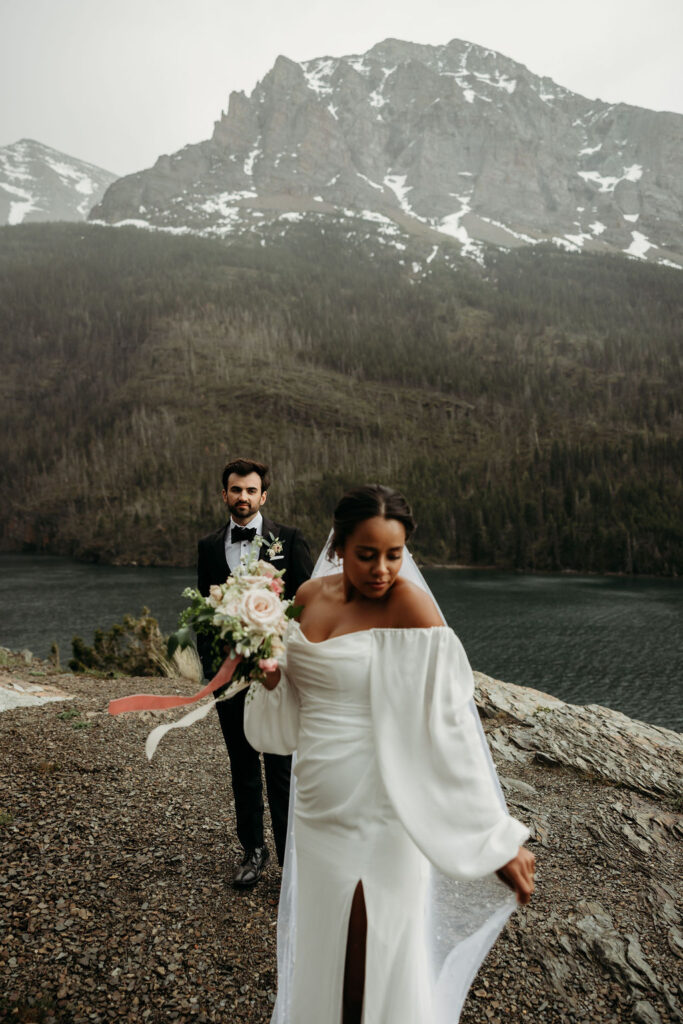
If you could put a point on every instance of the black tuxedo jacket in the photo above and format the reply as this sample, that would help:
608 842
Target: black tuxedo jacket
212 567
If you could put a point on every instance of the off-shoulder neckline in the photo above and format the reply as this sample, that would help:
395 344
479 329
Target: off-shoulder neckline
372 629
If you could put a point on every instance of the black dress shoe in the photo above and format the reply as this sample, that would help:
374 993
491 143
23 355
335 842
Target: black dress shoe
251 868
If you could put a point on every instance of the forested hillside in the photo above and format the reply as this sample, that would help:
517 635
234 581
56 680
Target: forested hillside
531 410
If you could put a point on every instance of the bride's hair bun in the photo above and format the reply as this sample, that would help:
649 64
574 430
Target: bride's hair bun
363 503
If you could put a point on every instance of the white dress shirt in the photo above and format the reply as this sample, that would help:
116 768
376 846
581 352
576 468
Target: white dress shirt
234 552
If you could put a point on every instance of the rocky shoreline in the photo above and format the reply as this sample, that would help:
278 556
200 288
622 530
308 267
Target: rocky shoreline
116 903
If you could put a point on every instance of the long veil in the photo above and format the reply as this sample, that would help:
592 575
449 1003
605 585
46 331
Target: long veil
462 919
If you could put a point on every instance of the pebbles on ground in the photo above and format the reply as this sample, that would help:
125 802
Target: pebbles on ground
117 905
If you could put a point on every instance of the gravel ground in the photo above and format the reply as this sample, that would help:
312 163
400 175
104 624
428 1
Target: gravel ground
117 904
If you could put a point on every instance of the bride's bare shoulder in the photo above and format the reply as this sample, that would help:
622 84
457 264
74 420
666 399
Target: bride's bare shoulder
321 586
412 607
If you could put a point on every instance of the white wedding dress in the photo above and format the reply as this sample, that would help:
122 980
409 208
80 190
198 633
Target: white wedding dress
392 777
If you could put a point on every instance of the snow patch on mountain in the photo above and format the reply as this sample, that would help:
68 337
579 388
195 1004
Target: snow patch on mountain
251 159
20 207
316 73
639 245
224 203
372 184
377 97
609 183
358 64
397 184
452 225
526 239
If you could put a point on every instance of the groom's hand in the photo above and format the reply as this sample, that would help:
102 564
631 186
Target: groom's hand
518 874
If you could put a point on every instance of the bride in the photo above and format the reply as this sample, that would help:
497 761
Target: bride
394 788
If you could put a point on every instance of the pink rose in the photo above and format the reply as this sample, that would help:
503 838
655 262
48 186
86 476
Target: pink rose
268 664
262 610
276 585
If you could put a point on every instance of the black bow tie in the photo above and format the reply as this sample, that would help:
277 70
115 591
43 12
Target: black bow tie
240 533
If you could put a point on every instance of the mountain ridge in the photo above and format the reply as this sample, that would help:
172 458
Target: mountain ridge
39 183
456 143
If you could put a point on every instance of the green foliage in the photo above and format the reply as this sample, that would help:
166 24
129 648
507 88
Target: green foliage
133 647
74 717
54 657
179 640
197 619
532 410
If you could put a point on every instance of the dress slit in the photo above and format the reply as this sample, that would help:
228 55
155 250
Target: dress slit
353 988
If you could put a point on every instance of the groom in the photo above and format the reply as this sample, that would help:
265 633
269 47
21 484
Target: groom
245 489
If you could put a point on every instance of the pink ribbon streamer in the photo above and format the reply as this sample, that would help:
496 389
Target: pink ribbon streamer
157 702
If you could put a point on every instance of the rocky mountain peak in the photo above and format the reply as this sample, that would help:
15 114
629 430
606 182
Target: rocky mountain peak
453 142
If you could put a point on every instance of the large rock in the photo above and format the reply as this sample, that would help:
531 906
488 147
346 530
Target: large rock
524 724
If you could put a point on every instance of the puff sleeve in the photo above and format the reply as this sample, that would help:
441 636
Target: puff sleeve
271 717
433 757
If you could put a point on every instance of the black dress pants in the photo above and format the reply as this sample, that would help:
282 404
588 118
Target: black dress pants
245 765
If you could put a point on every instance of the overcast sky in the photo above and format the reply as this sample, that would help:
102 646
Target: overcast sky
118 82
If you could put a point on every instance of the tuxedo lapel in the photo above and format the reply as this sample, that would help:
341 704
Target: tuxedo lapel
218 555
268 527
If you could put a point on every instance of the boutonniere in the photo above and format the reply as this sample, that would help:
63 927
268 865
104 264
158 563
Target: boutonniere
275 547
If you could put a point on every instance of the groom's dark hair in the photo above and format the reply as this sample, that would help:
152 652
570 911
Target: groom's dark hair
363 503
243 467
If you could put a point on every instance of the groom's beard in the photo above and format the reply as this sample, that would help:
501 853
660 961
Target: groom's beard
243 511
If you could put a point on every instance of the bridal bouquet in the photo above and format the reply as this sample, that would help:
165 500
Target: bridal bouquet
244 620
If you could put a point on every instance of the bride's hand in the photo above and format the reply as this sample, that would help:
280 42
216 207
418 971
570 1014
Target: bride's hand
271 672
518 874
271 679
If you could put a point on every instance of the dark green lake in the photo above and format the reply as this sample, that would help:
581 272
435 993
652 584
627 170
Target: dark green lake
586 639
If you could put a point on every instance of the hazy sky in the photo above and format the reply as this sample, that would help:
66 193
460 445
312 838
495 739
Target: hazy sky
118 82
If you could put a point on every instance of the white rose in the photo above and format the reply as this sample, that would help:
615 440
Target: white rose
265 569
230 605
215 595
254 581
261 608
